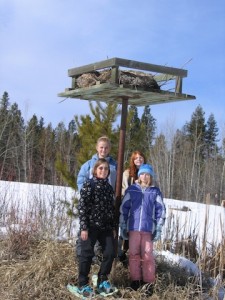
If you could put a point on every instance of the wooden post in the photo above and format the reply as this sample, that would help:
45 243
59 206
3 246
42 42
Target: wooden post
120 159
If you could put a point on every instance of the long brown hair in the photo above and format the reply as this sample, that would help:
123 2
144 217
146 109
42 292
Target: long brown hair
133 170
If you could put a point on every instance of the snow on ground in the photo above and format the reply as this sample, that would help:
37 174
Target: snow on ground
23 203
193 270
192 218
19 200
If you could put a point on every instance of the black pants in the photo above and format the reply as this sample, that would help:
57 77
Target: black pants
85 252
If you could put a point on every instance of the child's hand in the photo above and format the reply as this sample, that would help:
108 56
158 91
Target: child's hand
123 231
114 234
158 232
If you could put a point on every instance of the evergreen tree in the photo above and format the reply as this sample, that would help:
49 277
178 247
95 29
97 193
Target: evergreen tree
140 132
47 149
147 132
66 147
196 130
4 132
133 131
183 157
89 130
86 138
60 139
158 159
11 129
73 145
211 136
32 161
72 142
195 143
4 104
15 152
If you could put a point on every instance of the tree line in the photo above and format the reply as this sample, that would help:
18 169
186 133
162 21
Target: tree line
189 164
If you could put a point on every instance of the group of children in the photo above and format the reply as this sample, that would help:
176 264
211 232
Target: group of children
142 215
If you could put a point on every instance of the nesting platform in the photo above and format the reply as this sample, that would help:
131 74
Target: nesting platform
106 81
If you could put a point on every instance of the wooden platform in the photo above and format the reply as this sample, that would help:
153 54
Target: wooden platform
112 91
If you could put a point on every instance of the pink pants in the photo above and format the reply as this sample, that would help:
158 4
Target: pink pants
141 259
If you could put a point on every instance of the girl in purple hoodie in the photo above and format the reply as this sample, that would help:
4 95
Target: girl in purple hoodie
142 217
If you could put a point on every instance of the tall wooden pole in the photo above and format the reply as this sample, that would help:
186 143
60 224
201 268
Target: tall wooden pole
120 159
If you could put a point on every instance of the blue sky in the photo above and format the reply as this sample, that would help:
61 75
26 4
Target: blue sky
42 39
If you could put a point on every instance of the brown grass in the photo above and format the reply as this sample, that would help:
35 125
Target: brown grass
49 266
32 266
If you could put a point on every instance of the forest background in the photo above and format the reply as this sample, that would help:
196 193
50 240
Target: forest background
190 163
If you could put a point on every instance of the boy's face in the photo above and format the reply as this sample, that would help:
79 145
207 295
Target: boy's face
103 149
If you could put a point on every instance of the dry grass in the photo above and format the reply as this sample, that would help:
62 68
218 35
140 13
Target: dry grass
32 266
43 275
47 266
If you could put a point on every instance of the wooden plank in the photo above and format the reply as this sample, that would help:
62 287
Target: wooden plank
164 77
150 67
115 93
132 64
178 88
92 67
114 75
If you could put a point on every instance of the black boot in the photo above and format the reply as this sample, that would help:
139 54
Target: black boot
135 284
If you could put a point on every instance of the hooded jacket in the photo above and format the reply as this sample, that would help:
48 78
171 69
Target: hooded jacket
142 209
86 171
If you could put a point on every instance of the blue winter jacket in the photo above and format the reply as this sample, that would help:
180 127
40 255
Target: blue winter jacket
86 171
142 209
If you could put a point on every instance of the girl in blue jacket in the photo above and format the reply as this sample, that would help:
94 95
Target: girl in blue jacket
142 216
103 147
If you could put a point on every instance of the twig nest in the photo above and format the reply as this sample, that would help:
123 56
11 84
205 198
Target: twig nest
130 78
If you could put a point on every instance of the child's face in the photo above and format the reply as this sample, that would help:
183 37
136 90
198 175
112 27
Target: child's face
102 171
145 179
138 160
103 149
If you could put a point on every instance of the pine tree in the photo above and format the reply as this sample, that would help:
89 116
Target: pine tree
4 132
183 157
90 129
196 130
132 133
32 160
158 160
69 156
47 151
15 152
148 129
73 143
195 143
4 104
211 136
11 129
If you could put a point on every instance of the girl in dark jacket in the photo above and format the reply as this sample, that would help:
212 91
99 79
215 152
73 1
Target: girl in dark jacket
97 223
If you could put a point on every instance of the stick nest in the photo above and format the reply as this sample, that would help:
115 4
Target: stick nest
133 79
